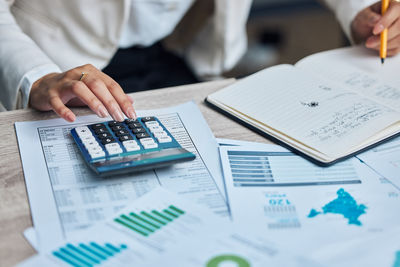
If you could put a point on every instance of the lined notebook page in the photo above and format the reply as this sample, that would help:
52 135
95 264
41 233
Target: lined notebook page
318 114
359 71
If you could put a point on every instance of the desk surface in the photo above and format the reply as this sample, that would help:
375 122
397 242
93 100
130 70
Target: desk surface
15 214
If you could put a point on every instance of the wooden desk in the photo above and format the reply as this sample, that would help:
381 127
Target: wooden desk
15 214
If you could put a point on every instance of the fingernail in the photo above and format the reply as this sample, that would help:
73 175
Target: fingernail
131 114
70 117
117 114
378 28
103 112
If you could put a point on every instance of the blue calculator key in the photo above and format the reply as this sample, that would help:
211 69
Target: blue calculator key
132 145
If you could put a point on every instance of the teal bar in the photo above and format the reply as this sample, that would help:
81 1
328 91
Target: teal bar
81 261
170 213
110 246
130 227
161 215
83 253
123 246
152 218
136 223
66 259
100 248
144 220
172 207
77 255
93 251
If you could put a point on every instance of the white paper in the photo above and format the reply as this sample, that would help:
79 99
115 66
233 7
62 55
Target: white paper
302 206
30 236
193 236
385 160
65 196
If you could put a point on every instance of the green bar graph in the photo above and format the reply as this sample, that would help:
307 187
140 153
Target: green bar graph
146 223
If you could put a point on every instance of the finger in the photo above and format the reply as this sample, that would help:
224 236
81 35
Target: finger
373 42
80 89
62 111
130 99
393 52
394 30
123 99
390 16
394 43
377 7
75 102
99 89
369 17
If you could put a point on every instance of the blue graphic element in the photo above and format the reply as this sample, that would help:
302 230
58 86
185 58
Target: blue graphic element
345 205
87 254
397 260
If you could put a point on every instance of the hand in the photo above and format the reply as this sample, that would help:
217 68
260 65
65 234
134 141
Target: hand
368 24
97 90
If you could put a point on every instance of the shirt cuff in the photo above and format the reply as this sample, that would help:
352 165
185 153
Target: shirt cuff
31 77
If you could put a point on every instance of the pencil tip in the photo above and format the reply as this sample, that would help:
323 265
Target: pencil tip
382 60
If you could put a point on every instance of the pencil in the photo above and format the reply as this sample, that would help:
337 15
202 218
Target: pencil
383 48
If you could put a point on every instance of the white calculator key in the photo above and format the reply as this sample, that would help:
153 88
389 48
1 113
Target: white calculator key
112 146
88 138
83 131
149 145
98 154
155 128
164 139
114 150
130 143
132 148
89 144
151 123
160 134
147 141
94 149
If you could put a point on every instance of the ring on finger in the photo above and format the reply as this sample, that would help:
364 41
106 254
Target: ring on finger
83 75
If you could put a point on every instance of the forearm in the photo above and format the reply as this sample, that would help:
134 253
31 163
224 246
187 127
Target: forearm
21 60
346 10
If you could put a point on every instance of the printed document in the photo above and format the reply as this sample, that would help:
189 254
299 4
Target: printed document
66 196
300 205
160 229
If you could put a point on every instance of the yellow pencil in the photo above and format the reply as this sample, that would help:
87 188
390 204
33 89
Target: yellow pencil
383 49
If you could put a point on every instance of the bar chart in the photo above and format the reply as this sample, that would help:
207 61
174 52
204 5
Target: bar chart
265 168
88 254
146 223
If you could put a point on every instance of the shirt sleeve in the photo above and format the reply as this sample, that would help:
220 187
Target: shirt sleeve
30 78
346 10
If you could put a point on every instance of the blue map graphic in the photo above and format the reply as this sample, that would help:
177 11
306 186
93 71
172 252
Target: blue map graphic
397 260
345 205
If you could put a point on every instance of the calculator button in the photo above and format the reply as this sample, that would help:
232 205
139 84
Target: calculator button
121 132
107 140
104 135
152 123
117 128
97 126
98 154
155 128
146 119
92 143
83 131
114 151
125 137
134 125
128 121
160 134
146 140
164 139
100 131
142 135
150 145
112 145
132 148
88 138
138 130
130 143
114 123
94 149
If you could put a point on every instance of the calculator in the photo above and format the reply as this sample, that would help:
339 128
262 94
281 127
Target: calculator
132 145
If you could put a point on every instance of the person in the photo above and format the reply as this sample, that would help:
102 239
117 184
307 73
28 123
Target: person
58 54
